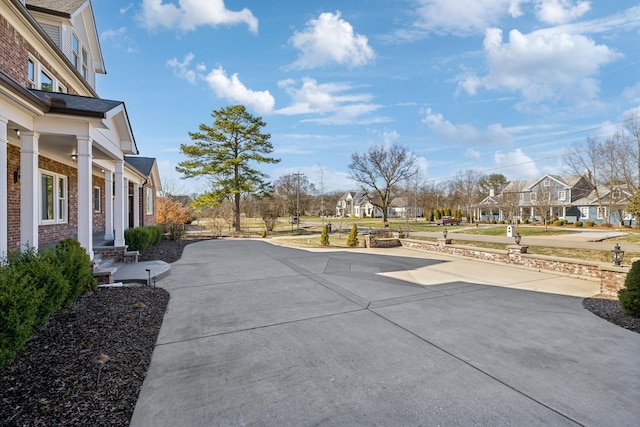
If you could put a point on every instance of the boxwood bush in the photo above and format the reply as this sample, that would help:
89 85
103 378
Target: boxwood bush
578 224
140 238
34 285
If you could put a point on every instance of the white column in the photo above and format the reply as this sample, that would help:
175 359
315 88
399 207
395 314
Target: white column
85 187
119 204
108 205
136 204
4 194
126 203
29 186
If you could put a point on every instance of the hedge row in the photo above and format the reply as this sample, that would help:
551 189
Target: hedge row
33 285
140 238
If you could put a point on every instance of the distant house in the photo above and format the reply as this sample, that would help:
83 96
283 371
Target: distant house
401 207
357 205
570 197
68 165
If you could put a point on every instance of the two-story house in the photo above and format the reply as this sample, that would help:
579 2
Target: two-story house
356 204
571 197
68 165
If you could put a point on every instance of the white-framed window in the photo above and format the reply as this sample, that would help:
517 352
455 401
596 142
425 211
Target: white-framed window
546 183
149 201
602 212
522 197
40 78
533 197
46 81
584 212
85 63
75 51
53 198
79 56
616 193
97 199
31 66
562 195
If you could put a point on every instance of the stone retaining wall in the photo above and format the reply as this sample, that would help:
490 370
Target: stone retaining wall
611 277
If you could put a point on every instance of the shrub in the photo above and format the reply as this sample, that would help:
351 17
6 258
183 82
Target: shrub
156 233
629 296
590 223
324 237
578 224
76 268
526 221
607 225
19 304
352 240
136 239
42 269
557 223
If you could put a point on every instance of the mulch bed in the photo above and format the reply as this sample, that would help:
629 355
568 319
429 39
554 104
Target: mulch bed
54 380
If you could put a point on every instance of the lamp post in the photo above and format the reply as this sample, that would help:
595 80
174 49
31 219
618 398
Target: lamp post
617 255
518 238
444 233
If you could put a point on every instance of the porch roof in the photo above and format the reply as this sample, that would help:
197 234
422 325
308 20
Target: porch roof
76 105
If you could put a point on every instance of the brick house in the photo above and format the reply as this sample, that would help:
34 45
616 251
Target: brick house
68 165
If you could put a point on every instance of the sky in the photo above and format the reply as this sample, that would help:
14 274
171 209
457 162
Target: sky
497 86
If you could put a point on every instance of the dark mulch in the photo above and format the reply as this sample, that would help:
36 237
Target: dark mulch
610 310
54 380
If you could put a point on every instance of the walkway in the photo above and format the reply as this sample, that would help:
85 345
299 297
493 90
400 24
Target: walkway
258 334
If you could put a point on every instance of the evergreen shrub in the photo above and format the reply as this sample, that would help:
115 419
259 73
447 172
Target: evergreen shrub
629 296
578 224
352 240
324 237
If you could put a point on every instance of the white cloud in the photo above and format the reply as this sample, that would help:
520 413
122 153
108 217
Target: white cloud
328 40
334 101
184 70
463 17
234 90
120 39
190 14
471 153
222 85
465 133
542 66
560 11
516 164
632 93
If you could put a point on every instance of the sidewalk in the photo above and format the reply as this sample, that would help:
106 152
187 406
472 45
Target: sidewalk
258 334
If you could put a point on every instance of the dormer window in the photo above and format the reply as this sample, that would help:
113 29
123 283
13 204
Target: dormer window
547 183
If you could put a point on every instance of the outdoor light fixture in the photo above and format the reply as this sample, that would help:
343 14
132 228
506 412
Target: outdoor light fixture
444 233
16 175
617 255
518 238
74 157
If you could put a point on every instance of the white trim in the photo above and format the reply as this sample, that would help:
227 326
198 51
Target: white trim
562 195
584 212
149 204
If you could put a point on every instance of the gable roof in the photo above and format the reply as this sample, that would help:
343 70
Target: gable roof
65 7
144 165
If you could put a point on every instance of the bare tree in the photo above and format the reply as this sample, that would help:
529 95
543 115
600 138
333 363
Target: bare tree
296 190
465 187
509 199
543 203
588 162
380 170
632 125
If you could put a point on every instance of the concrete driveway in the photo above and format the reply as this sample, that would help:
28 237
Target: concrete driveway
258 334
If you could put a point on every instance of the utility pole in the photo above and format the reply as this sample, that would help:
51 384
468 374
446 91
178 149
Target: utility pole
322 196
298 199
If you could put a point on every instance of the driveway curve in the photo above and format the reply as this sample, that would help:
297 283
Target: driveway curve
259 334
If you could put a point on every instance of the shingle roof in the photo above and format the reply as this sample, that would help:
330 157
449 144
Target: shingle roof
65 103
64 6
143 164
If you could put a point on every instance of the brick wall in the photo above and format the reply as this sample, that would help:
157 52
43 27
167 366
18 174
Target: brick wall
13 206
15 54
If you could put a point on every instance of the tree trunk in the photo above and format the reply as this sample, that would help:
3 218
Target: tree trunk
236 213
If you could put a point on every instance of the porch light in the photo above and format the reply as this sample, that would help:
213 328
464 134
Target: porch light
74 157
617 255
518 238
16 175
444 233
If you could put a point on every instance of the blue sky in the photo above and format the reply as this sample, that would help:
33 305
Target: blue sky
500 86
